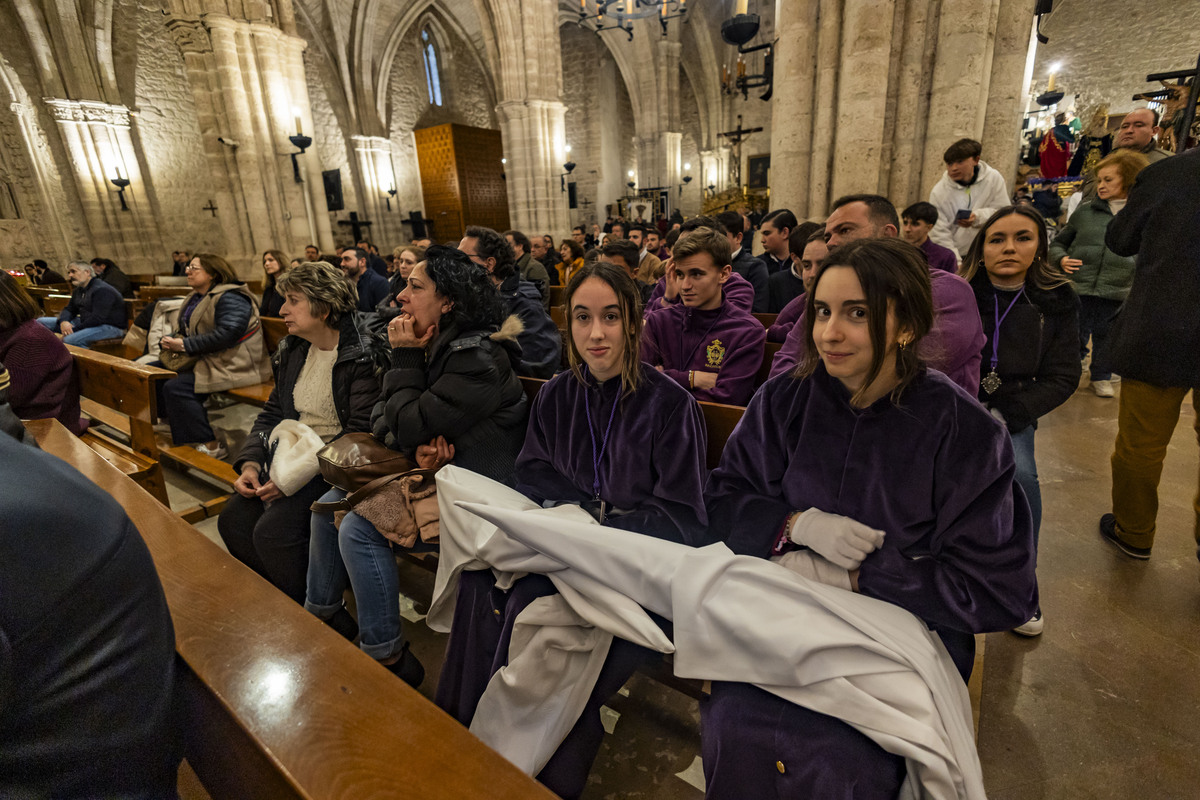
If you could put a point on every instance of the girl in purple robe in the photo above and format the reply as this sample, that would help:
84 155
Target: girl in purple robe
888 471
623 441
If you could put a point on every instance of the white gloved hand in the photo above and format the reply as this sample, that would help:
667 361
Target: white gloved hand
840 540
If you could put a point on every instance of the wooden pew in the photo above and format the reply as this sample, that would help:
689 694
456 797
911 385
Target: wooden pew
764 371
53 304
767 320
273 703
155 292
122 394
558 295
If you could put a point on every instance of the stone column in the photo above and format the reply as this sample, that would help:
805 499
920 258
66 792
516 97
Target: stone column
374 154
534 143
792 104
825 115
100 147
1006 92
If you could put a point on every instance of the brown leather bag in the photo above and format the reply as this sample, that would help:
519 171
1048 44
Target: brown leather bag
354 460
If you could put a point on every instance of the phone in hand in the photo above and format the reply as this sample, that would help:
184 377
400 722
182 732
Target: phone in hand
963 214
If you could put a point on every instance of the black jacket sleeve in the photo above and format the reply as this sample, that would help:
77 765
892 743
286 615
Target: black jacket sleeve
413 411
103 311
1124 234
230 319
1057 377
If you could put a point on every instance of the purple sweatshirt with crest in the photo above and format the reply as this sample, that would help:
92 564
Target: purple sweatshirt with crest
726 340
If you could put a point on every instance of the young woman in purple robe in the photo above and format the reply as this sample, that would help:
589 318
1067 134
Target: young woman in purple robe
623 441
887 470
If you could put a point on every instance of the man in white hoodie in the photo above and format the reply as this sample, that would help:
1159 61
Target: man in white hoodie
966 196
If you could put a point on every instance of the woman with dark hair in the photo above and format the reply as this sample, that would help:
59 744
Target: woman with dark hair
1030 317
404 260
583 424
450 394
218 324
39 364
890 481
572 259
327 379
274 264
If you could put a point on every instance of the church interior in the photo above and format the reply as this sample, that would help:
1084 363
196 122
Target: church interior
132 130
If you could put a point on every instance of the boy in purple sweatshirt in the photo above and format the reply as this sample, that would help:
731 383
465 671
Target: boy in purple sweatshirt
706 343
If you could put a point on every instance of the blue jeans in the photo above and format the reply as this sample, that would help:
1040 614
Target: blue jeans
83 338
355 556
1027 476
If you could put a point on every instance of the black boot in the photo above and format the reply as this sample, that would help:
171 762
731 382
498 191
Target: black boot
344 624
407 668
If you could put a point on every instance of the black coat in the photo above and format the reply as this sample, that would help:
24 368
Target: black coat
1156 336
271 303
1039 350
118 280
755 271
541 344
463 388
361 358
783 287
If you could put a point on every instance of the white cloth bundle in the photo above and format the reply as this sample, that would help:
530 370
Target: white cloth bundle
869 663
559 643
294 463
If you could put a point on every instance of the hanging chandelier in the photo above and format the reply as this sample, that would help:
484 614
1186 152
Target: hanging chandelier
608 15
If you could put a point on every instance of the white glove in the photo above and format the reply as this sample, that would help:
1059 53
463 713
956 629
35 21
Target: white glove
840 540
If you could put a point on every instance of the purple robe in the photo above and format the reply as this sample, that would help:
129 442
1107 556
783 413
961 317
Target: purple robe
653 468
953 346
936 475
737 289
938 257
725 340
787 319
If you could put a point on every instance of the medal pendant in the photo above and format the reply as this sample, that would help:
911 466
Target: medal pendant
990 382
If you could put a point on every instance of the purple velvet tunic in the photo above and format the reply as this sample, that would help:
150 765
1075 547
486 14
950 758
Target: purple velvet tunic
787 319
653 466
938 257
936 475
737 289
725 340
953 346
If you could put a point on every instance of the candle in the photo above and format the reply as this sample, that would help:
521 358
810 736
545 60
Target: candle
296 115
741 6
118 171
1050 85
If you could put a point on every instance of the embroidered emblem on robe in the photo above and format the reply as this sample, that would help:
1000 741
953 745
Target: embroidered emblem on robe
716 353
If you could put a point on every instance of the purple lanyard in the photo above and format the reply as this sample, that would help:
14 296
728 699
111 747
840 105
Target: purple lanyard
999 321
598 455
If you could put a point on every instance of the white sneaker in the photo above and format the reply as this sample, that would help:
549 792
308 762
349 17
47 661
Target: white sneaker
219 452
1102 388
1031 628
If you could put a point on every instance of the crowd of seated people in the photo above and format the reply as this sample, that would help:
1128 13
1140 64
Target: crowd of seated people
893 441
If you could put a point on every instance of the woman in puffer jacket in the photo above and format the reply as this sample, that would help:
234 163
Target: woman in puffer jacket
450 394
219 325
1102 278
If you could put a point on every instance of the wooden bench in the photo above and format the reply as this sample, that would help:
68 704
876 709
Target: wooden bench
122 395
274 704
157 292
767 320
764 371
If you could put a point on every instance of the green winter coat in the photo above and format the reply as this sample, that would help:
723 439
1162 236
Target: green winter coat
1103 273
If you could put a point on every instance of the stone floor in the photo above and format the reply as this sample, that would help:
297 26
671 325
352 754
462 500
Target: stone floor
1102 705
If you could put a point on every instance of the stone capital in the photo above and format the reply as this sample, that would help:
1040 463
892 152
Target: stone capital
87 111
189 34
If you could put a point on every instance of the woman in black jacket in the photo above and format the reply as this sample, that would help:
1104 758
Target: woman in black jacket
326 377
451 393
274 265
1030 317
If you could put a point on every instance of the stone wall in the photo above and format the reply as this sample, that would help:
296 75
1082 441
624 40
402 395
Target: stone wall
689 152
466 100
1107 48
330 140
166 126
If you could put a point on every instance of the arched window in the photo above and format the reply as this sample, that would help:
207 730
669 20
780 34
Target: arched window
433 78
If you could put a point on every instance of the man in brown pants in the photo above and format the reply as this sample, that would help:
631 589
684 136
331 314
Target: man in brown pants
1155 341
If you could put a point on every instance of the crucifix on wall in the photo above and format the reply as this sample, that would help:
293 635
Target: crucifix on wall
736 137
210 208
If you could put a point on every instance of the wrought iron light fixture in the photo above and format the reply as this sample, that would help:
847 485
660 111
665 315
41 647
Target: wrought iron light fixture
121 184
608 15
